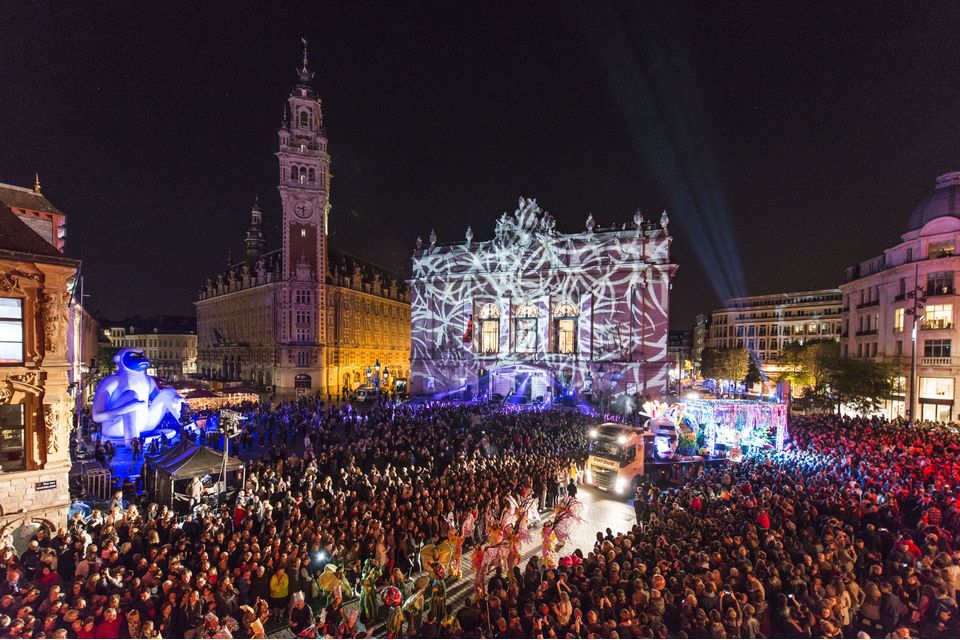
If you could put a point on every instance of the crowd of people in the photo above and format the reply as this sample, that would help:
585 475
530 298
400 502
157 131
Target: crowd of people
850 530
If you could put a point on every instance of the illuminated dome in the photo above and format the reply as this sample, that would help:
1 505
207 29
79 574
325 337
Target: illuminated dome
944 201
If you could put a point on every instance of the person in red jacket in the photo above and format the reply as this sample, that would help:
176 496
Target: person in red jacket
110 626
763 520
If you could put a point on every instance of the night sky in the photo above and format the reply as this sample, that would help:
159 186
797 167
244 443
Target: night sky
787 140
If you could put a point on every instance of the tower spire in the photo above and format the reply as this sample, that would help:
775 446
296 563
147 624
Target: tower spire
305 74
36 182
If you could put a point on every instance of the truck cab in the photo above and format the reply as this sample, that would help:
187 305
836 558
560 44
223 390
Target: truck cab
616 457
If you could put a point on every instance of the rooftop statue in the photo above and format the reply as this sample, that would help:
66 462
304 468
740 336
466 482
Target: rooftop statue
128 402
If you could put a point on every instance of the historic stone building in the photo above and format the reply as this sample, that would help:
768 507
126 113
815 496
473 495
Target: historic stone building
536 313
265 320
765 324
35 404
910 292
169 342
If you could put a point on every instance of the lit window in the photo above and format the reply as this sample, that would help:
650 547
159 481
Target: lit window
489 329
11 331
938 316
940 283
565 317
525 329
898 320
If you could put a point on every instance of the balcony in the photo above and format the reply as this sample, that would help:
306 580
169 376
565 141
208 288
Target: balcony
942 361
900 297
871 303
934 325
867 332
939 291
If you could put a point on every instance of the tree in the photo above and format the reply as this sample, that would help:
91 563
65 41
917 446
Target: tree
862 383
725 364
754 376
808 365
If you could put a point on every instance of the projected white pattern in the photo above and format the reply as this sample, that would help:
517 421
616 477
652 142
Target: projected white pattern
612 285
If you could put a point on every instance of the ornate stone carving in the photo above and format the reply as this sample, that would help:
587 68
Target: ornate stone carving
12 280
56 418
55 321
29 379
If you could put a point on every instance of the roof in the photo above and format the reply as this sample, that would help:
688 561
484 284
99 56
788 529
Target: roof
23 198
190 461
17 237
942 202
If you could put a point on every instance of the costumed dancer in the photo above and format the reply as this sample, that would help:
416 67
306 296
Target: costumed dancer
436 594
456 537
556 532
393 599
368 589
335 588
413 606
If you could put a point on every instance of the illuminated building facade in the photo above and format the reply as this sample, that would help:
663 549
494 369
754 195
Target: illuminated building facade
169 342
765 324
36 409
879 296
536 313
265 320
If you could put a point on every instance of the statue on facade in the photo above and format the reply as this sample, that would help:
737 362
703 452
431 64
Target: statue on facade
433 238
469 235
128 402
664 220
591 223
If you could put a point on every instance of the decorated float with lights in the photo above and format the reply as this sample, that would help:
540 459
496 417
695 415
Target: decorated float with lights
694 431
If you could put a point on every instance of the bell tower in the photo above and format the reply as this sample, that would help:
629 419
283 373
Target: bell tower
305 193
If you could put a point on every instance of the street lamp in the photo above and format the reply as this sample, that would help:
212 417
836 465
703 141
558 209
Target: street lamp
918 299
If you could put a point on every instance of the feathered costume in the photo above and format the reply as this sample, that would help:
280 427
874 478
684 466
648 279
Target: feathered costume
556 532
455 537
505 537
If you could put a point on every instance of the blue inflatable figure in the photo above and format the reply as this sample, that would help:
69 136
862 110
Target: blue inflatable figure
128 402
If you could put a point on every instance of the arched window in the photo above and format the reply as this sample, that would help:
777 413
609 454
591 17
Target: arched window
312 175
565 316
489 329
304 120
294 173
525 328
303 175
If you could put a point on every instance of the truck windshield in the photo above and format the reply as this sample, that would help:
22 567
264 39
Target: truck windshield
606 449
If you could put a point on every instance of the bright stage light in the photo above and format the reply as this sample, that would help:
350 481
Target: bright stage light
621 485
621 439
593 433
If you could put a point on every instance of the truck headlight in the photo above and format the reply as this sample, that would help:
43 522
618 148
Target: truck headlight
593 433
621 485
621 440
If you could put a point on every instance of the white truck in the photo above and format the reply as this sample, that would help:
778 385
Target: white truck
616 457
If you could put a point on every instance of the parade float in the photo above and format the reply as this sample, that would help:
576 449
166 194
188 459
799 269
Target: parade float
689 432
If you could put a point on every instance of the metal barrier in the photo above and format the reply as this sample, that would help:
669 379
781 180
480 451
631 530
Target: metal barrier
99 483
